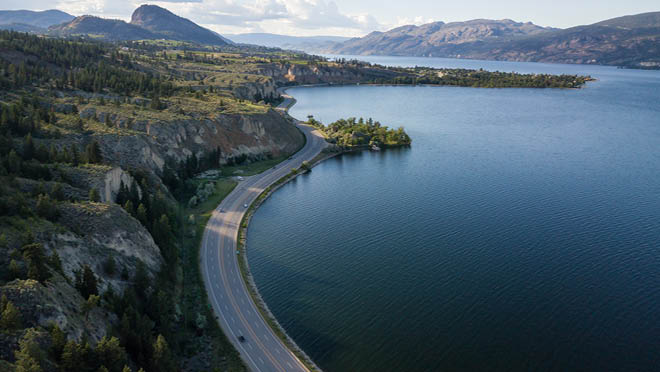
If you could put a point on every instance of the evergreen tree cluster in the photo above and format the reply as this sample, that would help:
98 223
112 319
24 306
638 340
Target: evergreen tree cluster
487 79
356 132
84 65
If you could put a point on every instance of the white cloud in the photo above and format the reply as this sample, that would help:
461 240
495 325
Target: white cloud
419 20
301 17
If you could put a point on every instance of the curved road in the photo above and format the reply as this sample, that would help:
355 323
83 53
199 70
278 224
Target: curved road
237 314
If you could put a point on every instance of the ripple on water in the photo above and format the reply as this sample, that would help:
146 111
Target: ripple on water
506 238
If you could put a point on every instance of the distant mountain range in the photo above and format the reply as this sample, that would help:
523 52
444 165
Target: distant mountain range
310 44
42 19
149 22
632 41
30 21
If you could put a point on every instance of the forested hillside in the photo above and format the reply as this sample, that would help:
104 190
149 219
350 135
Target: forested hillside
90 191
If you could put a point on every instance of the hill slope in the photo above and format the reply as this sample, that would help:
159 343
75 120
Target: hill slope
42 19
170 26
110 29
632 41
22 27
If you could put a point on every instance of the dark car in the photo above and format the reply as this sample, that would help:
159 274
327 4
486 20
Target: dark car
241 339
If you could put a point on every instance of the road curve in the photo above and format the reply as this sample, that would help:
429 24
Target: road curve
232 305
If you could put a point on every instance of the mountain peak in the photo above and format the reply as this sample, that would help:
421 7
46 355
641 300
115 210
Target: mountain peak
162 21
112 29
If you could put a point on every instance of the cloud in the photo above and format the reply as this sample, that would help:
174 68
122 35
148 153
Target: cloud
293 15
103 8
303 17
406 21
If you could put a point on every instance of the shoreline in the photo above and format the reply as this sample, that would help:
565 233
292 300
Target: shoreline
248 278
241 240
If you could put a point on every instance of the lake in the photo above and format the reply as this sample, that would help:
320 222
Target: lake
521 231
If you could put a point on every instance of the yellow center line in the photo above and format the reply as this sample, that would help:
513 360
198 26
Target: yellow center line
240 315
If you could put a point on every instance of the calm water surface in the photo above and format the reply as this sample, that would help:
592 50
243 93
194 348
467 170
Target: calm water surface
521 231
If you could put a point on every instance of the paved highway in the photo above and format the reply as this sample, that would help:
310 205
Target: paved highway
237 314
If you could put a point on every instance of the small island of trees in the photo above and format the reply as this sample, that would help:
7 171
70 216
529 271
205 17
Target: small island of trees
354 132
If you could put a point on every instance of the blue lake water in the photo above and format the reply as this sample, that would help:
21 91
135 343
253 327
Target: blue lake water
521 231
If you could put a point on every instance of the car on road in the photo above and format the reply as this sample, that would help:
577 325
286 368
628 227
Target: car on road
244 205
222 210
241 339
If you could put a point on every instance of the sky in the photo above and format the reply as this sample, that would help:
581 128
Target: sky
350 17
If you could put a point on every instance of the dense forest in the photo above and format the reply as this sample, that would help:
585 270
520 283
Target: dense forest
489 79
470 78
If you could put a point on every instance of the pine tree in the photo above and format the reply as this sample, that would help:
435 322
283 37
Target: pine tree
162 357
71 360
57 342
15 271
58 192
90 304
93 153
94 195
29 357
28 147
46 208
128 207
141 279
86 282
142 215
111 354
11 317
56 262
36 262
162 233
74 155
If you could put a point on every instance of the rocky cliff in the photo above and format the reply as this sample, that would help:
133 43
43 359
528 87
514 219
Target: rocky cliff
256 135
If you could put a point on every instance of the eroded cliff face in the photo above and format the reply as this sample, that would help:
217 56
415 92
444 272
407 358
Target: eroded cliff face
255 135
249 91
91 234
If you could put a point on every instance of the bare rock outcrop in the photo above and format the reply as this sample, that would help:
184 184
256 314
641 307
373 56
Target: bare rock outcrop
254 135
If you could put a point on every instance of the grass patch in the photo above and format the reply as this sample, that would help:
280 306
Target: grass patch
253 168
196 305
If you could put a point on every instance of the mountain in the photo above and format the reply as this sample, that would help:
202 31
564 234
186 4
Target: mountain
22 27
41 20
631 41
634 21
430 38
109 29
170 26
310 44
149 22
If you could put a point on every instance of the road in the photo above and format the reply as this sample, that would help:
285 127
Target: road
237 314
